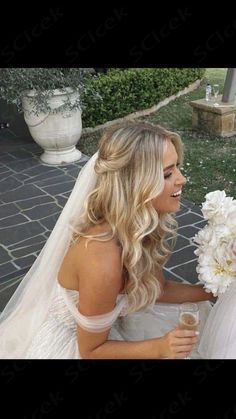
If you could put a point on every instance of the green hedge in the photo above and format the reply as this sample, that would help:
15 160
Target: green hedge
121 92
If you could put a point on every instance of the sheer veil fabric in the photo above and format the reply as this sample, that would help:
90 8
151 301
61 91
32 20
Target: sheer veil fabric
28 307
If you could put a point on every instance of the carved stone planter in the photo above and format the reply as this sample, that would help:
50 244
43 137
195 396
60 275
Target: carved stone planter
57 133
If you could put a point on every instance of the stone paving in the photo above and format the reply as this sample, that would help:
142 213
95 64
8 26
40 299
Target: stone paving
32 196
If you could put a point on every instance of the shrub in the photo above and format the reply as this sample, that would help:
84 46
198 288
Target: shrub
123 91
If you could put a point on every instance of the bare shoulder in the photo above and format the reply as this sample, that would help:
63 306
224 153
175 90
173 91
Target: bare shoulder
84 258
99 272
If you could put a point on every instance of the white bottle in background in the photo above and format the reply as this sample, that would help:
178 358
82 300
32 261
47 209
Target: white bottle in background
208 92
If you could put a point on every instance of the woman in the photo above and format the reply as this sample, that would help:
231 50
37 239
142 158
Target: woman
97 289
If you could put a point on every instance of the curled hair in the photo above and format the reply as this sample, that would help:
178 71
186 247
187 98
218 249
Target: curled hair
130 175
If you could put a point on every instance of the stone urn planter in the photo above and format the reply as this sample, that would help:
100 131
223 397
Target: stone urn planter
57 132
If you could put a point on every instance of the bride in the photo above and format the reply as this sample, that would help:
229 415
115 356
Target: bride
97 289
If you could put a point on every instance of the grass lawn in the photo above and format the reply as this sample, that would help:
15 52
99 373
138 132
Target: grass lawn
210 161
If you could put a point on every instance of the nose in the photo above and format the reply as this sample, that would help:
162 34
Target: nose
181 179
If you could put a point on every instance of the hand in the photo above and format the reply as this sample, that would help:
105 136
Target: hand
178 343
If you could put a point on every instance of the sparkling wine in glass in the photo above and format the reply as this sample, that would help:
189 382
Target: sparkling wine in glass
189 317
216 89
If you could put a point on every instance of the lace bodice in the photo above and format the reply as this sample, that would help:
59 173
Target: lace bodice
59 310
57 336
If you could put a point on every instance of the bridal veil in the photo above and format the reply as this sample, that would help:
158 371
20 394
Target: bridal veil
28 307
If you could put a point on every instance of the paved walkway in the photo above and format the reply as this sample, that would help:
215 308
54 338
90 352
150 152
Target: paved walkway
32 196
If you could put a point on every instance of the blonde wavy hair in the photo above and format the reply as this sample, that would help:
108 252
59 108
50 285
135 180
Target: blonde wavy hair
130 176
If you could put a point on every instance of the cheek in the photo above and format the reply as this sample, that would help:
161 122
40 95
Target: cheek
167 190
159 202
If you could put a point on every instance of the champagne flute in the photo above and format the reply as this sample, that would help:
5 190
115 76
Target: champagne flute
216 89
189 317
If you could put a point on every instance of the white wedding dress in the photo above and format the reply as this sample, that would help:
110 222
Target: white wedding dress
57 337
219 336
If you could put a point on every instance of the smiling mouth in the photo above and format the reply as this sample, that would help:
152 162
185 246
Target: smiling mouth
176 194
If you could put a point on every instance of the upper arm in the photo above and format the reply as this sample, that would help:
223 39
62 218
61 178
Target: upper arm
100 279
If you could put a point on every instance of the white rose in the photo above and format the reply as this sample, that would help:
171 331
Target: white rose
205 236
231 219
217 207
231 250
222 231
212 202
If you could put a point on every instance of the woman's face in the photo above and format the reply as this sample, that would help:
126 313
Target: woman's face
169 199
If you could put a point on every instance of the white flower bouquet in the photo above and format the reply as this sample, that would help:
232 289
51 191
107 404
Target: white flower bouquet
216 243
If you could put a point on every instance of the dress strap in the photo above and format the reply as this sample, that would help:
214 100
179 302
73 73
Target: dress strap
99 323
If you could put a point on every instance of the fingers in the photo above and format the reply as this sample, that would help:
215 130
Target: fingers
180 342
183 342
181 333
184 337
184 348
186 341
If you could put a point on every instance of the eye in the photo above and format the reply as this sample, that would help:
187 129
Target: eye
167 175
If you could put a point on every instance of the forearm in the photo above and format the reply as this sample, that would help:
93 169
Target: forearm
115 349
176 292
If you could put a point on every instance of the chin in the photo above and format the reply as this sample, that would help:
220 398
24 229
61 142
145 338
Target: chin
173 207
176 207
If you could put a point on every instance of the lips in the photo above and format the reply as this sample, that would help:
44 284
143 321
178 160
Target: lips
176 194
